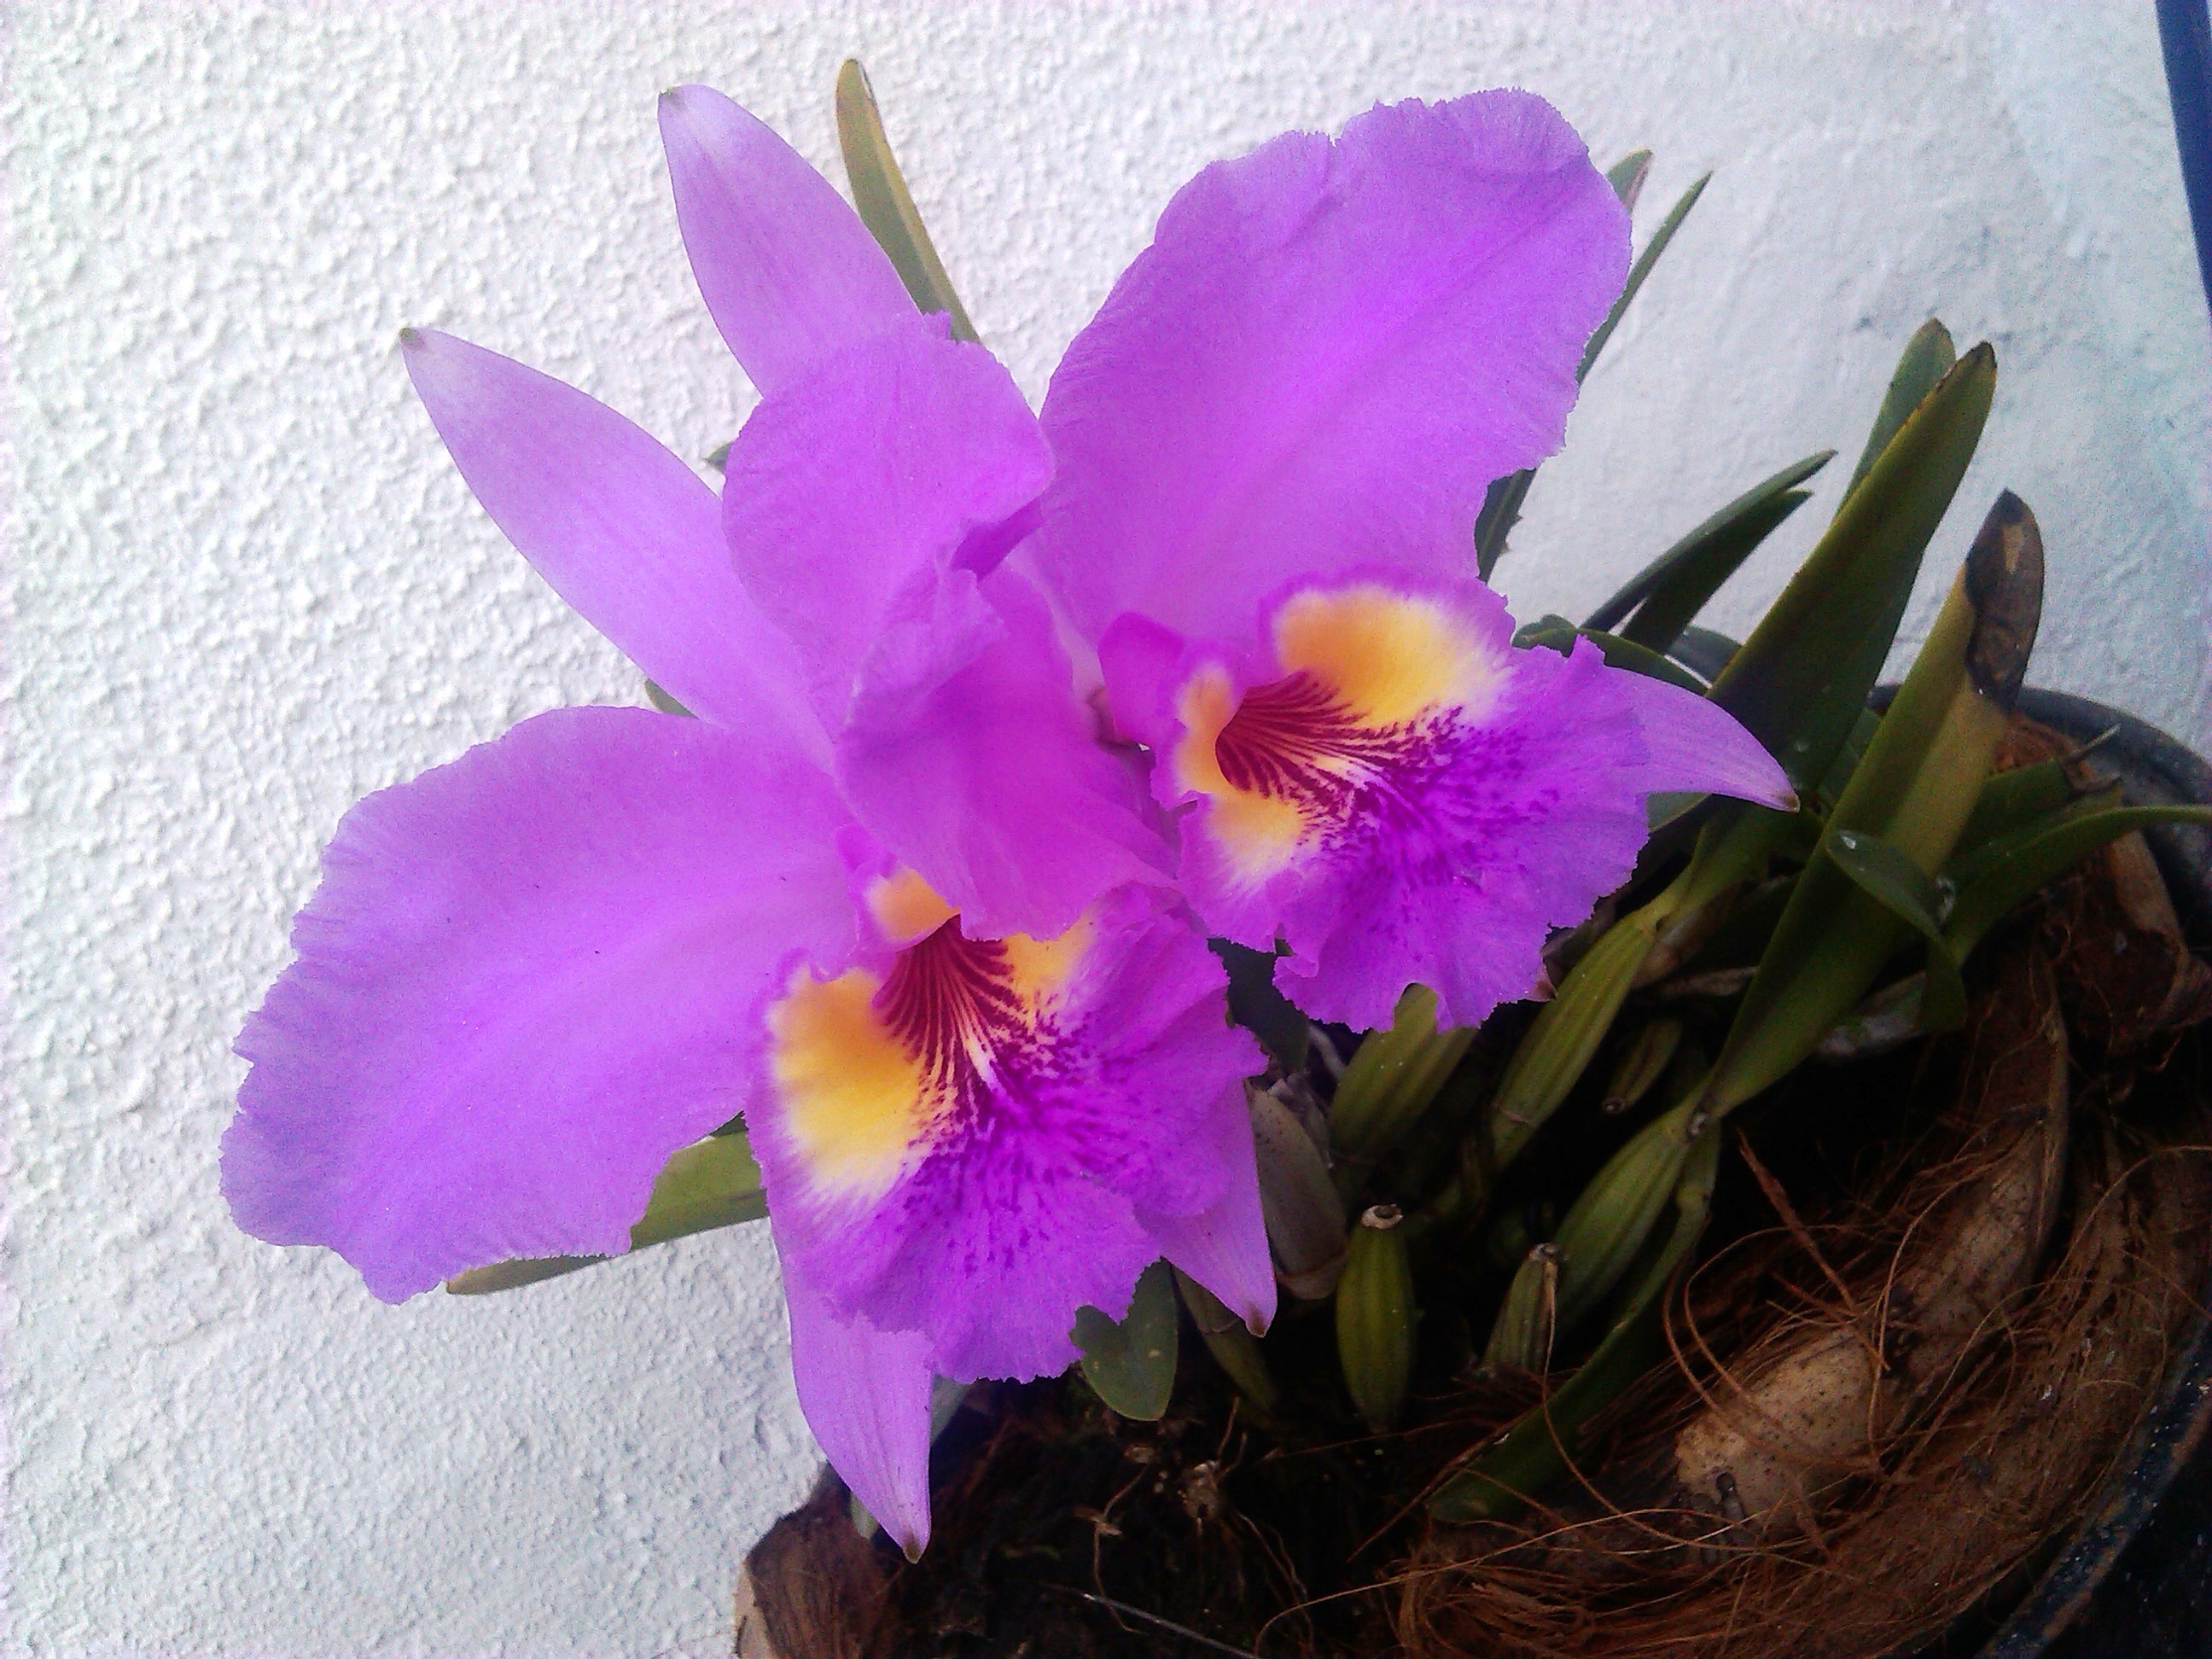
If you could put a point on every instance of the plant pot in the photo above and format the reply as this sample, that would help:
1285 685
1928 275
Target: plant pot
2129 1579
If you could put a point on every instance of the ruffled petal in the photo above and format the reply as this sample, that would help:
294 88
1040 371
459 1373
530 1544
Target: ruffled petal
851 489
1403 797
866 1394
969 756
622 529
1327 353
788 271
986 1139
525 978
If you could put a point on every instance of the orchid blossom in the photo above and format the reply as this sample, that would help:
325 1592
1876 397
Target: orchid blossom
890 896
886 896
1269 449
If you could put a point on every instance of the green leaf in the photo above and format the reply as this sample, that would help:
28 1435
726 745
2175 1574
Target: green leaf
2009 870
1801 679
1501 511
2018 799
1898 884
1235 1349
1376 1316
1556 632
1501 504
1914 790
1642 1060
719 456
1668 593
879 192
1131 1362
1538 1449
1640 659
1927 357
1639 270
660 700
711 1184
1626 176
1521 1335
1909 893
1550 630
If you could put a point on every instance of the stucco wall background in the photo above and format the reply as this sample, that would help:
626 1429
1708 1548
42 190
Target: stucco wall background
245 586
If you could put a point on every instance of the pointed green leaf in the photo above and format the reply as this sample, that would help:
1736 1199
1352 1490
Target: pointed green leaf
1642 1062
1235 1349
879 192
1909 893
1501 505
2008 871
719 456
2017 799
1626 176
1501 511
1927 358
711 1184
1638 658
1392 1078
1641 269
1556 632
1801 679
1603 1232
1898 884
1561 1041
1521 1336
1668 593
1550 630
660 700
1914 789
1131 1362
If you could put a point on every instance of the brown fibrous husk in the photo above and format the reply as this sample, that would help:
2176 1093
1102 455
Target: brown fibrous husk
1955 1468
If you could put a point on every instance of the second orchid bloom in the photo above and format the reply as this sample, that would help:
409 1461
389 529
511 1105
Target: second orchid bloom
999 716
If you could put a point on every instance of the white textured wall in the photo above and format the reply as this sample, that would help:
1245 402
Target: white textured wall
246 588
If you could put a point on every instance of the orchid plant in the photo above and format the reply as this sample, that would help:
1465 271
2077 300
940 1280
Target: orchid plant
978 724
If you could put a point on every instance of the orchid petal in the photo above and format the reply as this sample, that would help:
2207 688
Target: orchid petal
968 755
788 271
526 978
1692 743
866 1394
853 488
1225 1246
985 1139
622 529
1143 664
1327 353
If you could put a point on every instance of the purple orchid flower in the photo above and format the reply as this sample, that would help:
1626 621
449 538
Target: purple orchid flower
1269 448
887 897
